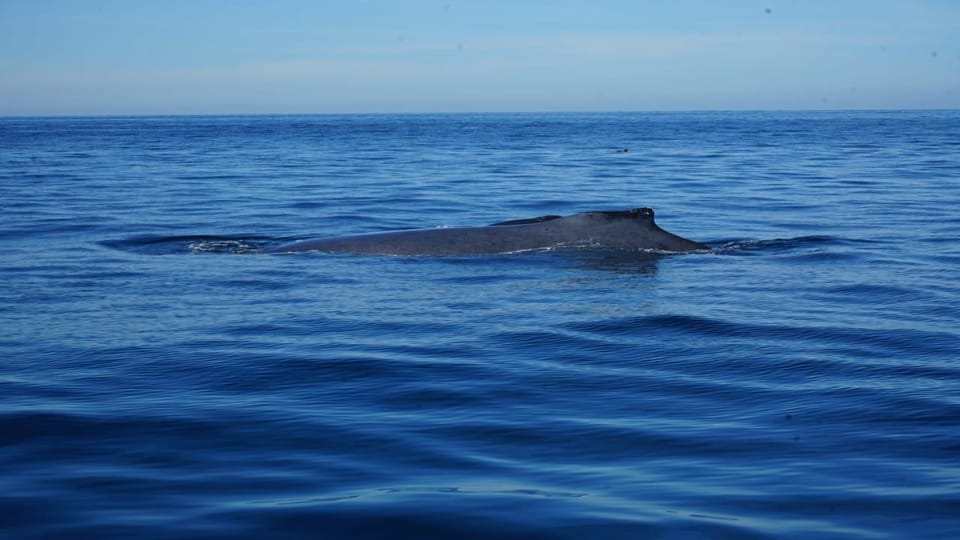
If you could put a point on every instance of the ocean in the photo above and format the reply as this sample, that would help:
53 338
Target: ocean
163 378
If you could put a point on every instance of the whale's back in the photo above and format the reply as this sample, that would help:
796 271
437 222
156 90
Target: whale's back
623 229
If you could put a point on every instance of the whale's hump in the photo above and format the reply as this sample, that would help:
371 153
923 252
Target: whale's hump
624 229
645 214
527 221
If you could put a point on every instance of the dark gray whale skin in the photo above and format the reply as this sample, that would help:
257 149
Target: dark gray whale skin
627 229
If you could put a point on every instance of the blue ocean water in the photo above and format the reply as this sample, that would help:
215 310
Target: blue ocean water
160 378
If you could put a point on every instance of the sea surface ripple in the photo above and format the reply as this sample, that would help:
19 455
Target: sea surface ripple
163 378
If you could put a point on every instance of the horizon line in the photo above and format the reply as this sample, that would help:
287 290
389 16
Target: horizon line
492 113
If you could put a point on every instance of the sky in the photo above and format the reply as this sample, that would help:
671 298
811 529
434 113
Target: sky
126 57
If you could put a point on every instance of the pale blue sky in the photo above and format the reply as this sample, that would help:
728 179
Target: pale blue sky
299 56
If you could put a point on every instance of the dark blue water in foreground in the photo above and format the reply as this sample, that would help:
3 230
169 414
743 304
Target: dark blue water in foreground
161 379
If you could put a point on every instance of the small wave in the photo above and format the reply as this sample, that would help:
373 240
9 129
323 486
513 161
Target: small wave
901 344
221 245
188 244
519 491
774 244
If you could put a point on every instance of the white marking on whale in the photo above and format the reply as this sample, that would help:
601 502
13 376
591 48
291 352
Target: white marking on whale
628 229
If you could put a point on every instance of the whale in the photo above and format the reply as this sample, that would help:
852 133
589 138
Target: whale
633 229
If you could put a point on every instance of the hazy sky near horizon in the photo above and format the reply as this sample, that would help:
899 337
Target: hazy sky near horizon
299 56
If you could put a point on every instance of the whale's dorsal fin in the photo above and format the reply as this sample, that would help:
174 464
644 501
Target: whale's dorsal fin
526 221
